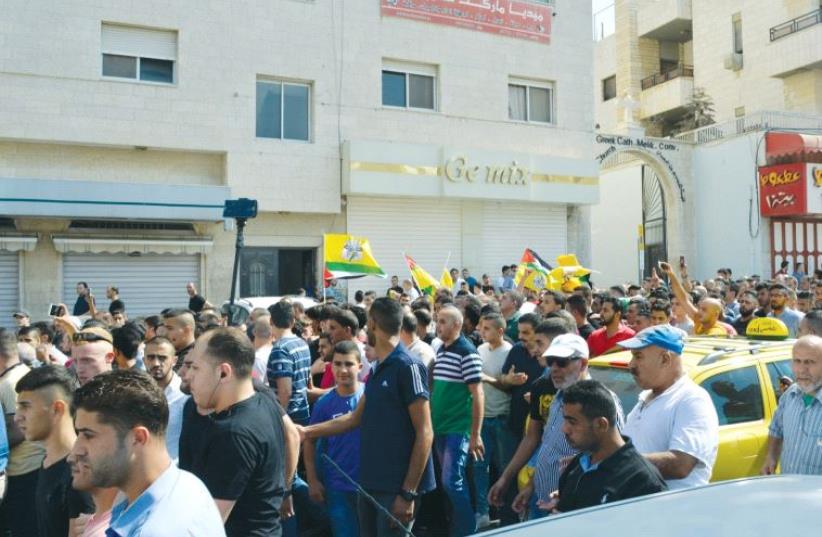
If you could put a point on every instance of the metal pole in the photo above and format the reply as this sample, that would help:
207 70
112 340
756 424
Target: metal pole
237 248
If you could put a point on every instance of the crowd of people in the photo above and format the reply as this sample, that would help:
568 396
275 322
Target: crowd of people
442 415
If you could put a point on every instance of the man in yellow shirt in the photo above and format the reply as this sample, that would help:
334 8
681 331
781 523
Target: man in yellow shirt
706 316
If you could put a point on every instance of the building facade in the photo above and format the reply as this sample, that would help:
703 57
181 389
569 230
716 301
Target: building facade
754 68
125 127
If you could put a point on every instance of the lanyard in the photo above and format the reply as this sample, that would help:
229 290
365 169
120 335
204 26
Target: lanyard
3 374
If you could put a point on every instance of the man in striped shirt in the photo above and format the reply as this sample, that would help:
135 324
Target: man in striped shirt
795 435
289 364
457 404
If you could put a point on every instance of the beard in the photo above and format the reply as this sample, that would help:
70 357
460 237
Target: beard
110 470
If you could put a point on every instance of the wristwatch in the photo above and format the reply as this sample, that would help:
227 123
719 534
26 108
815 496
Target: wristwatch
409 495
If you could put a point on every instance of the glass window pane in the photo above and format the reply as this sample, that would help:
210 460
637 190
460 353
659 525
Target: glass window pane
295 106
737 395
393 88
268 109
539 104
119 66
421 91
516 102
156 70
609 88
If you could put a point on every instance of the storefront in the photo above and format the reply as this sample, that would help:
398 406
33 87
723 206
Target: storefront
790 195
11 247
475 208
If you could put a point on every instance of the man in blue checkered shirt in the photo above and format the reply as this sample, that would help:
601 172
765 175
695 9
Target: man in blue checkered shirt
289 364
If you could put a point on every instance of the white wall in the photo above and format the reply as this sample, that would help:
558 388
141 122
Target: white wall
724 190
614 224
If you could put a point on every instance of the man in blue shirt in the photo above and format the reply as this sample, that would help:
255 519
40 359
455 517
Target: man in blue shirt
289 364
120 418
328 485
395 428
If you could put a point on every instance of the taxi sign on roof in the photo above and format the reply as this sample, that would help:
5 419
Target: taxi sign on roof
767 328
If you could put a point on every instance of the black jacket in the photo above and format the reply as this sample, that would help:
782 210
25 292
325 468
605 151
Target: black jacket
625 474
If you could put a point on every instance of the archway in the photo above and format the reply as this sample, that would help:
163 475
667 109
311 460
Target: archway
645 197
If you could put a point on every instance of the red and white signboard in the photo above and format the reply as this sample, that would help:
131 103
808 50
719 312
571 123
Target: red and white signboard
790 189
513 18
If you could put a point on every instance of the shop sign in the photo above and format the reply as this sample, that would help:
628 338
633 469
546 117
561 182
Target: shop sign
782 190
514 18
459 169
814 182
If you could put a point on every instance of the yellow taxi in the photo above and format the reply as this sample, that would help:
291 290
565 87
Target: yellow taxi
744 378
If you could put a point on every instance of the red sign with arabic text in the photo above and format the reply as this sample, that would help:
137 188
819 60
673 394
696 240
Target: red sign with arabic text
783 190
513 18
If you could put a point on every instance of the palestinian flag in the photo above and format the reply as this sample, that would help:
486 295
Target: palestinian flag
533 270
426 283
347 256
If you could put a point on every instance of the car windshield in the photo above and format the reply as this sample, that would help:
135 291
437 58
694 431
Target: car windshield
621 382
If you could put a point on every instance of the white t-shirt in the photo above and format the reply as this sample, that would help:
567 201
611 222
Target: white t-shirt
682 418
423 351
497 402
260 369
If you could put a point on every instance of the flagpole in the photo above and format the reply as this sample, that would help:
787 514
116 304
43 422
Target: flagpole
323 269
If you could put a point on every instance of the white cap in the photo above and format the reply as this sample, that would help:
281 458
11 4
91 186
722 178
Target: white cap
567 346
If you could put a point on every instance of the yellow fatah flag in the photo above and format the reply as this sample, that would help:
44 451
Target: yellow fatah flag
445 279
424 281
347 256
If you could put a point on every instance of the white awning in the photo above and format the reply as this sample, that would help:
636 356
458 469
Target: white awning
12 243
128 246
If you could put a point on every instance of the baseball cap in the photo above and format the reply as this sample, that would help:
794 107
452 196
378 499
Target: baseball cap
665 336
567 346
20 313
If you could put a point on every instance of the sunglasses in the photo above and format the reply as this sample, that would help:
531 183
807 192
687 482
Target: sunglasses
561 363
87 337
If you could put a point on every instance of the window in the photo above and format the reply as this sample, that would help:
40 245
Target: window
139 53
531 101
283 110
777 370
409 86
736 22
609 88
737 395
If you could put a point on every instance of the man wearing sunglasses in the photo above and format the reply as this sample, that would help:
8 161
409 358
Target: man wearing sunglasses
92 351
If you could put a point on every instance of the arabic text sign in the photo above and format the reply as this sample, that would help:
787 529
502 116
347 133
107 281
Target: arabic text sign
782 190
513 18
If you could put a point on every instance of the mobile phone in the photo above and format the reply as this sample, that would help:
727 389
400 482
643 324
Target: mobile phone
682 261
54 310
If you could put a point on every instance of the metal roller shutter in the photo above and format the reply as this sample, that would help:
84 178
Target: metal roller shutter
9 287
148 283
508 228
426 230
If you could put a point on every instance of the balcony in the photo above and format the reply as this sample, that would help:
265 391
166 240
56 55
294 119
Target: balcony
665 20
795 45
667 92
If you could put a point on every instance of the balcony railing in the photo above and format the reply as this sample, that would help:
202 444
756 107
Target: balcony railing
796 25
661 78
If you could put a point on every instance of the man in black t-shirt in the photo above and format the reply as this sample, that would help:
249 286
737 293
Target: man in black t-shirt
241 450
44 415
196 302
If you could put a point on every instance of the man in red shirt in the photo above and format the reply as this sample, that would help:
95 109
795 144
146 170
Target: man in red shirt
603 340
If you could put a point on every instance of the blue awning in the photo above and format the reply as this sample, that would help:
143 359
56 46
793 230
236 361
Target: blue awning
96 199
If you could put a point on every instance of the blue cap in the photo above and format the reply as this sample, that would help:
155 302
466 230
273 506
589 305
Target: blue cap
665 336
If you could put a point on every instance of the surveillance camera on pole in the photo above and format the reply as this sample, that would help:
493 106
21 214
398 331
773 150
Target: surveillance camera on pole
240 210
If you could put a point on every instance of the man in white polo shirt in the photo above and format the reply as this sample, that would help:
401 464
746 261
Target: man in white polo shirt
674 423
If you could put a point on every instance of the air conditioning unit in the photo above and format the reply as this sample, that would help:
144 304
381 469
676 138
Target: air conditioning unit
733 61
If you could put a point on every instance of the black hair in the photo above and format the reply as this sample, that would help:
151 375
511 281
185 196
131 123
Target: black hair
761 286
594 398
26 330
124 399
347 347
661 305
409 323
346 319
359 313
358 296
282 314
803 295
153 321
46 329
127 339
577 305
814 320
553 327
530 318
422 303
778 287
232 346
489 308
618 289
472 310
387 314
558 297
615 303
84 284
423 317
184 314
46 376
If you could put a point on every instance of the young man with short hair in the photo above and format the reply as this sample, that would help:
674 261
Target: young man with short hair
576 306
159 362
416 346
780 310
520 370
241 460
325 483
747 308
289 365
120 418
127 340
179 329
605 339
660 312
44 415
607 468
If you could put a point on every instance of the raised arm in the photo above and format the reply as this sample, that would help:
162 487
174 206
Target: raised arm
679 292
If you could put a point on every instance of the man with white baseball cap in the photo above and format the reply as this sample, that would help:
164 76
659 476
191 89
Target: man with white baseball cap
674 423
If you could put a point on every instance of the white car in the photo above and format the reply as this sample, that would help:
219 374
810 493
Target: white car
757 506
250 303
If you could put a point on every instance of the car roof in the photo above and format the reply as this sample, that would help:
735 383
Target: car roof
705 351
753 506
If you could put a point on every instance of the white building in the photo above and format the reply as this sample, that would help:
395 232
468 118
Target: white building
761 64
124 126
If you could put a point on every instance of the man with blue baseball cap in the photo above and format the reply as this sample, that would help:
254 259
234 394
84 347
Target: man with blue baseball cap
674 423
